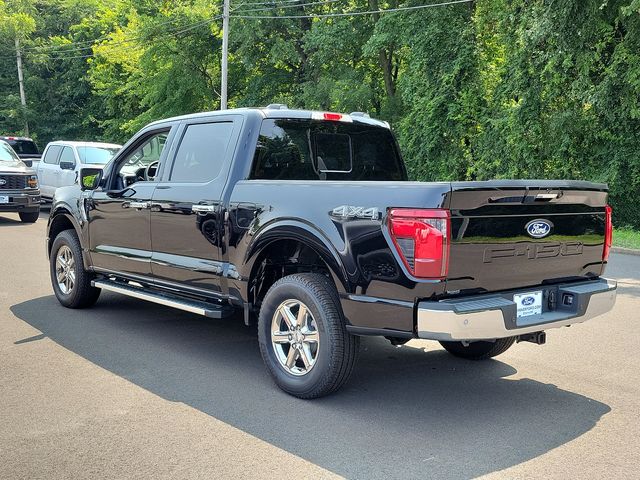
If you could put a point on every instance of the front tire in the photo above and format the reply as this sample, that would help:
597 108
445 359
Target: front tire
71 282
29 217
479 350
302 335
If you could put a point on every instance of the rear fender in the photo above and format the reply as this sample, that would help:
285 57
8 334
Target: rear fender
305 234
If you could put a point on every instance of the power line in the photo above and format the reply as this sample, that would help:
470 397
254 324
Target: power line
272 2
110 45
177 30
321 2
90 43
351 14
61 50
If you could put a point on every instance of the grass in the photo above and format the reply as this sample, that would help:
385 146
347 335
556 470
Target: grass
626 237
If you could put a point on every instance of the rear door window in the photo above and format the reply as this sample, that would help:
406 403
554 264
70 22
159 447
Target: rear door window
202 152
52 154
294 149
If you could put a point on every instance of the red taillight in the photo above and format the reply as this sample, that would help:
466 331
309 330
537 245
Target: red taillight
336 117
422 239
332 117
608 233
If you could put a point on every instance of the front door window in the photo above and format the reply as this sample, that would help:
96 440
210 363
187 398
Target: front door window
143 163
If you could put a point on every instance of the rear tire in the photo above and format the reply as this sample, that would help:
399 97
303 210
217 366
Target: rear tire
29 217
479 350
71 282
308 354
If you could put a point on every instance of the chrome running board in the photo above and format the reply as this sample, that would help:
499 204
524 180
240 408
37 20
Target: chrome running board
188 305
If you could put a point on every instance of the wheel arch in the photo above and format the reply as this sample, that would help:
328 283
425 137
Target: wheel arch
62 219
290 247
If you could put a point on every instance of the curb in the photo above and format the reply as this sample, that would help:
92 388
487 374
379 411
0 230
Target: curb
626 251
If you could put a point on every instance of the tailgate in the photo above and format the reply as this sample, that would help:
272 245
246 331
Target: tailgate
518 233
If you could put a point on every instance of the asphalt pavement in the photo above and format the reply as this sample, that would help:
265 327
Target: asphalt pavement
130 389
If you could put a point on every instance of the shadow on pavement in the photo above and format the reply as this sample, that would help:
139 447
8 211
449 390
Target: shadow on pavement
405 413
14 220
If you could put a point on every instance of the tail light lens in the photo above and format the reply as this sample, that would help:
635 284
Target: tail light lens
422 239
608 233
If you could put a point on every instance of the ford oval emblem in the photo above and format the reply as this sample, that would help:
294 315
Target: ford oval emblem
3 181
526 301
538 228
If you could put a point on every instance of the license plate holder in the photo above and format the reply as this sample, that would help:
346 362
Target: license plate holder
4 199
528 303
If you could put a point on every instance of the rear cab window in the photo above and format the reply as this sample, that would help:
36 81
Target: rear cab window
304 149
201 152
24 147
51 154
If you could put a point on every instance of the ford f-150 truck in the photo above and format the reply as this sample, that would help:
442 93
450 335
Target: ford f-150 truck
18 186
307 221
26 149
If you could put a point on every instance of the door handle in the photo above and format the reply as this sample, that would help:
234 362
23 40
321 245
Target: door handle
138 205
203 208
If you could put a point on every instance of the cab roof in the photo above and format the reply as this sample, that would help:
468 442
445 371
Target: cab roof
85 144
281 111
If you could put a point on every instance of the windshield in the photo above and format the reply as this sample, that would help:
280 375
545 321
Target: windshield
96 155
8 156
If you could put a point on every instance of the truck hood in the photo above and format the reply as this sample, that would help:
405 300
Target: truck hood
15 168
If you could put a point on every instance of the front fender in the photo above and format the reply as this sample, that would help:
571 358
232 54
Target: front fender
65 214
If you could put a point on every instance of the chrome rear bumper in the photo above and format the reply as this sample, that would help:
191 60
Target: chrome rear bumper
491 316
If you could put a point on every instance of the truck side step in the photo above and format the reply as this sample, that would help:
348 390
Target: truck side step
186 304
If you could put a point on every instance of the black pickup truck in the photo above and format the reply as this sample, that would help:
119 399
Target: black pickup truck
307 221
26 149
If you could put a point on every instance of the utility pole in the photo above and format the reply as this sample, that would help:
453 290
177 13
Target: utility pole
23 98
225 55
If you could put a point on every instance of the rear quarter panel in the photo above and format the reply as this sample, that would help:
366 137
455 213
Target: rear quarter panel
366 267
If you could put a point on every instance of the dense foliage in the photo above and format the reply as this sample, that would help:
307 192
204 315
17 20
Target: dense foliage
478 90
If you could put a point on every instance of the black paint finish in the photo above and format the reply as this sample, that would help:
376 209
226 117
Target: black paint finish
224 253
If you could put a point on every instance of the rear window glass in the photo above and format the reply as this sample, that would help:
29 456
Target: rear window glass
24 147
51 155
292 149
202 152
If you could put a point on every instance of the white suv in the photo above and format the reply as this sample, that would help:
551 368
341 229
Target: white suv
61 162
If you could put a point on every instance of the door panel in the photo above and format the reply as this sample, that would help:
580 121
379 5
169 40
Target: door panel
119 230
119 215
187 217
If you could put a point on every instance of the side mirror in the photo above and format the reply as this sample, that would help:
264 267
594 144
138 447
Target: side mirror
90 178
67 165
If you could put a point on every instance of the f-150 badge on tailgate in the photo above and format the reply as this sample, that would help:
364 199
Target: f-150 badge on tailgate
349 211
538 228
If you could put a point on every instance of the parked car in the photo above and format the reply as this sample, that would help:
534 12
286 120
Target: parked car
26 149
18 186
308 220
61 162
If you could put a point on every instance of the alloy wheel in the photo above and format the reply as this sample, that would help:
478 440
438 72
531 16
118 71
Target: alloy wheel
295 337
65 270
